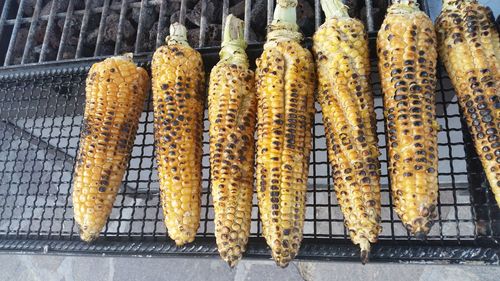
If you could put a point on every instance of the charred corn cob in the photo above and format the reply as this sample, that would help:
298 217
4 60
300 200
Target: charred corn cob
115 93
285 97
470 49
232 106
407 65
178 87
344 92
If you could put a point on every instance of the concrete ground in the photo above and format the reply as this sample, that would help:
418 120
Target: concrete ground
68 268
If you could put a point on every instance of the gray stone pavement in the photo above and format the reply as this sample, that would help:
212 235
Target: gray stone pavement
70 268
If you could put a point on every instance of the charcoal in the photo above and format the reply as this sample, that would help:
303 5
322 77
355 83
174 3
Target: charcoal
193 36
213 12
111 28
238 9
91 38
73 29
149 17
22 35
305 17
258 18
254 37
213 35
28 7
378 16
174 17
354 7
172 7
95 3
107 49
69 52
54 36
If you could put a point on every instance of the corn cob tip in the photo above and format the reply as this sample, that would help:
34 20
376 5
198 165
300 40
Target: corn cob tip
421 235
365 246
403 7
284 25
178 34
334 8
232 262
88 236
234 44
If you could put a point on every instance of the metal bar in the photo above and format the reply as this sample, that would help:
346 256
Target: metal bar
64 35
31 32
83 29
5 11
311 249
270 11
225 13
317 14
203 23
248 12
162 22
13 37
369 15
119 36
102 26
182 12
48 30
140 27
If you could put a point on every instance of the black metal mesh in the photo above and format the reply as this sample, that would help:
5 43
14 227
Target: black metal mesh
40 122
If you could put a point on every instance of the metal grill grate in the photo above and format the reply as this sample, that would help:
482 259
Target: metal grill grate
37 31
41 111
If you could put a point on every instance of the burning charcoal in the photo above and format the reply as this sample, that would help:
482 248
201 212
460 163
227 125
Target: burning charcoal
213 12
149 17
305 17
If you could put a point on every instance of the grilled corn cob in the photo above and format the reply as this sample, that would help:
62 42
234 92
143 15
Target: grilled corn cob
232 106
344 92
285 97
406 47
470 49
115 93
178 87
